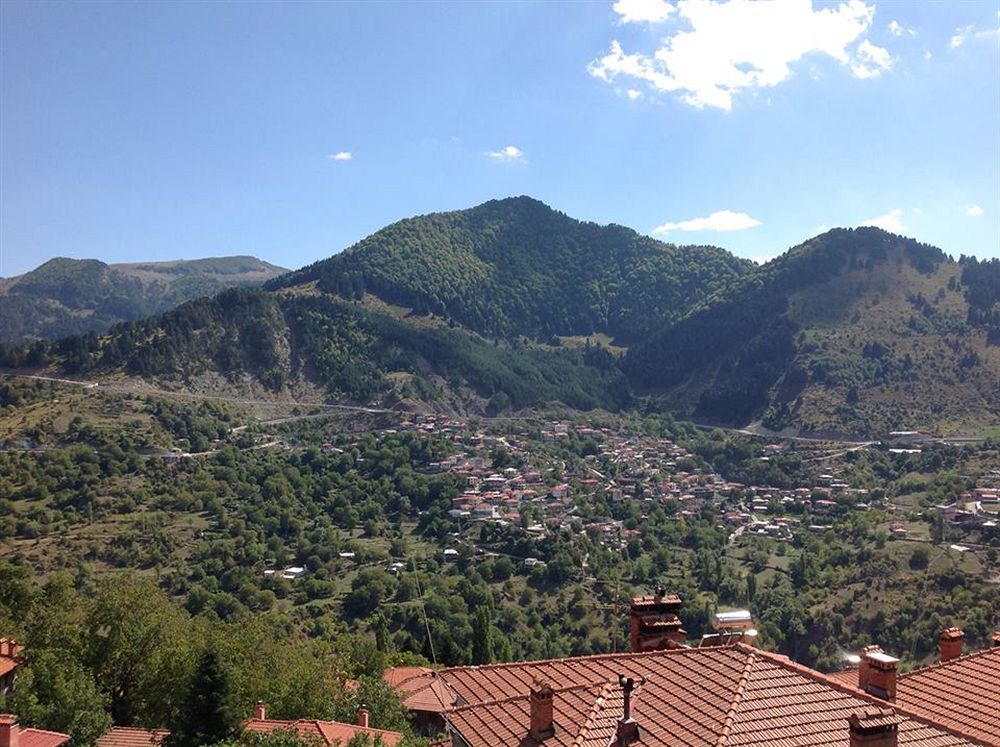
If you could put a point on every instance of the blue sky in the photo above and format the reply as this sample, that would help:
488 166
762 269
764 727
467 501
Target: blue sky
142 131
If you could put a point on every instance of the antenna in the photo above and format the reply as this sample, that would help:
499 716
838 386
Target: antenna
423 608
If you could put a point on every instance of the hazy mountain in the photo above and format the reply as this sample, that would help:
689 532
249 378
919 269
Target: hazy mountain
72 296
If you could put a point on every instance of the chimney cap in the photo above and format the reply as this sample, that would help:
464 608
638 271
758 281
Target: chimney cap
952 633
882 658
873 720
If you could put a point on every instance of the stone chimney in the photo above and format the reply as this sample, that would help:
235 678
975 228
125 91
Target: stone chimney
259 710
873 727
655 623
540 699
877 673
950 643
10 730
627 730
363 716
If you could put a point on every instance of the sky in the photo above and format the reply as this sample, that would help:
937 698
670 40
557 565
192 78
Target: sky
288 131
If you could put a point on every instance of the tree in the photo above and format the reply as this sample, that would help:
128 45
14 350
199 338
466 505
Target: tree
920 558
207 715
482 637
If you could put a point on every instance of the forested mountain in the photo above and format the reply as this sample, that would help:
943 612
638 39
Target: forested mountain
517 267
73 296
856 330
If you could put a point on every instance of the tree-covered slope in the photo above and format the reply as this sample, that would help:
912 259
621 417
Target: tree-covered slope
283 340
857 331
72 296
516 267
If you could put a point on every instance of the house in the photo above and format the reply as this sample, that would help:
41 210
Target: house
11 657
730 693
12 735
329 733
127 736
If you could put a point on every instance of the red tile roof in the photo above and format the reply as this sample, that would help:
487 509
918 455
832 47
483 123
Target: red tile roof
724 695
963 693
126 736
328 732
41 738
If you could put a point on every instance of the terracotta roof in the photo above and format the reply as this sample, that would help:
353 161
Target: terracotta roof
328 732
126 736
963 693
724 695
394 676
41 738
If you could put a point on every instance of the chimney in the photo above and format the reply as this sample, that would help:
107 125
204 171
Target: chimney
873 727
259 710
877 673
655 623
10 730
363 716
627 730
950 642
540 699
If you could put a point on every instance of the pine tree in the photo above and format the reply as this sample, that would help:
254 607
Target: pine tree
208 715
482 637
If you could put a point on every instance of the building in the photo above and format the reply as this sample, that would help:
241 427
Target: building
329 733
11 657
12 735
722 693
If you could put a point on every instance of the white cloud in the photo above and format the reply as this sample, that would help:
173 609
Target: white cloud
870 61
344 155
507 153
634 93
720 220
898 29
891 221
965 33
643 11
739 44
928 55
974 211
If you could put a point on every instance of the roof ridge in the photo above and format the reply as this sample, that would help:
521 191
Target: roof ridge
592 713
958 659
727 724
589 657
858 693
520 696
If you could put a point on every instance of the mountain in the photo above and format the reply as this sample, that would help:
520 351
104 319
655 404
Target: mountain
512 304
73 296
516 267
855 331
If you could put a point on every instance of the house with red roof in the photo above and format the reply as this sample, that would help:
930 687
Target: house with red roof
11 657
331 733
13 735
723 692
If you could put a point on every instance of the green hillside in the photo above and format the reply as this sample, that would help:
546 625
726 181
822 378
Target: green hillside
855 331
516 267
73 296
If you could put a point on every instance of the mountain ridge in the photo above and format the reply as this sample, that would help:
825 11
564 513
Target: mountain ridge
65 296
854 331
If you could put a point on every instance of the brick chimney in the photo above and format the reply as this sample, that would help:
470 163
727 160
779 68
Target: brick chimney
873 727
627 730
540 699
950 643
655 623
877 673
363 716
10 730
259 710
